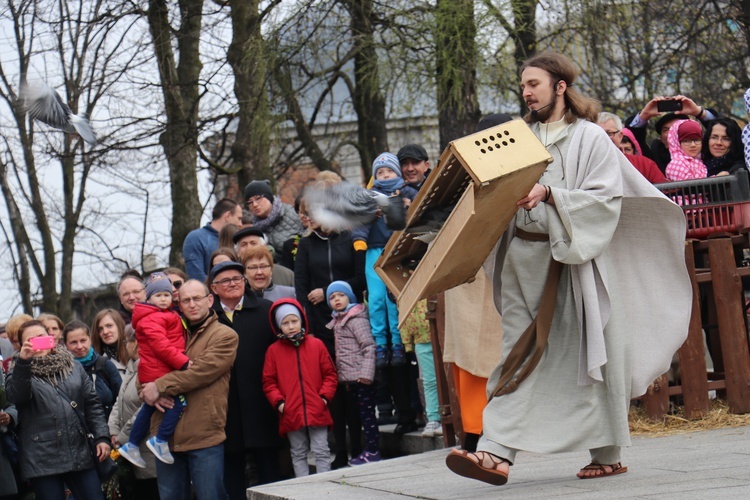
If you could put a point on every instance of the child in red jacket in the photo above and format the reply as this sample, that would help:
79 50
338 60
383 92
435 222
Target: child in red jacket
161 349
299 380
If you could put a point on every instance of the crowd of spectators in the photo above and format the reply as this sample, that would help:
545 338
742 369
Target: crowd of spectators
255 305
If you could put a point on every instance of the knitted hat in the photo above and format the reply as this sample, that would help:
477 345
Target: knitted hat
343 287
413 151
385 160
158 282
285 310
689 129
256 188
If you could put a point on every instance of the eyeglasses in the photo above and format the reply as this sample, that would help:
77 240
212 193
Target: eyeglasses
254 200
261 267
177 284
189 300
236 280
691 141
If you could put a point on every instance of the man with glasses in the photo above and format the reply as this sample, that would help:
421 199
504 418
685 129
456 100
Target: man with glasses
201 243
252 423
612 125
130 290
198 441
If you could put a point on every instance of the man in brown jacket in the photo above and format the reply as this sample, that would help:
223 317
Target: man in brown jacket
198 442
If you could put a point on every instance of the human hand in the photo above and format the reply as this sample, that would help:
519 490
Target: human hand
281 408
364 381
115 442
4 418
688 106
164 403
534 198
190 363
150 393
102 451
27 350
316 296
650 109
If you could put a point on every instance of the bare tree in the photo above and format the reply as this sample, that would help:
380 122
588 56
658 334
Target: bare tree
180 85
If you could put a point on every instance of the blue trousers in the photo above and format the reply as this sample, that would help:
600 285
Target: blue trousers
142 423
84 485
429 380
204 468
383 311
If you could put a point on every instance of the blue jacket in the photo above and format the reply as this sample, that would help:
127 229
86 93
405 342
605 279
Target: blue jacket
197 249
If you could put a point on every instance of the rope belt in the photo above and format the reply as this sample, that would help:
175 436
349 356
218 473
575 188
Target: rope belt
532 343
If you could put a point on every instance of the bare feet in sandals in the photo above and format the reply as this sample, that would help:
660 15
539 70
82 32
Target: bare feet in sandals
592 470
481 466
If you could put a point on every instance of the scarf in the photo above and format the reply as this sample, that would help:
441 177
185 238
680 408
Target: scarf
88 359
388 186
336 314
682 167
54 367
715 165
272 218
110 351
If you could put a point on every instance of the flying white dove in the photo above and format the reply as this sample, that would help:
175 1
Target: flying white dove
346 206
44 104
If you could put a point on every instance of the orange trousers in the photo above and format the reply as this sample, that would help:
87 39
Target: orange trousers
472 398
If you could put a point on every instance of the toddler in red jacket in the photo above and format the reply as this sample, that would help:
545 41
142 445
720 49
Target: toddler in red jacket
299 380
161 349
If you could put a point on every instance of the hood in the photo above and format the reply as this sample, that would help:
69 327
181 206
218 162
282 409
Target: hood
141 310
272 315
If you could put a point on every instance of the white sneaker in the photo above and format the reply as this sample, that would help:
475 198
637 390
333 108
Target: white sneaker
160 449
432 429
132 454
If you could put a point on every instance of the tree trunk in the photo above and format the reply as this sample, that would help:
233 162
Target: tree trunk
179 84
368 100
455 46
247 55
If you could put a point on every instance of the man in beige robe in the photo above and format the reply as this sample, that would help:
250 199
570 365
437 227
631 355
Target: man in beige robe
622 302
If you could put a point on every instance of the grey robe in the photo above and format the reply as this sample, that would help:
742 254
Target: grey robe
623 246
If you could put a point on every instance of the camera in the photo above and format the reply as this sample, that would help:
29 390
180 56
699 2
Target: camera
669 106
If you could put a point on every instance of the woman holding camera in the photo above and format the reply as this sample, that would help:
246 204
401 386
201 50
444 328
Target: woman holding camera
53 442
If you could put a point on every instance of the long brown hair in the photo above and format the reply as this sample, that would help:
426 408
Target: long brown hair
560 67
96 340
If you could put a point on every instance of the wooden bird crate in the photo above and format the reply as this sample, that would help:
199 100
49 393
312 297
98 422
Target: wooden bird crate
484 175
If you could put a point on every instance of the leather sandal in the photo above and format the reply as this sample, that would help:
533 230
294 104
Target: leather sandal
602 471
467 464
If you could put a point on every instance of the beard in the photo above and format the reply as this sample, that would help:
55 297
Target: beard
542 115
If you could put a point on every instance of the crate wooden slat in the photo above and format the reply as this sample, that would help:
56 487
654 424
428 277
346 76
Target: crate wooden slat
484 175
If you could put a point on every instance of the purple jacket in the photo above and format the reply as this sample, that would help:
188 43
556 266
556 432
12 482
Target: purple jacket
355 345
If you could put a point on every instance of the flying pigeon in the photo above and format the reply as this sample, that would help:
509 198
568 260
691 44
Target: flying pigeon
346 206
44 104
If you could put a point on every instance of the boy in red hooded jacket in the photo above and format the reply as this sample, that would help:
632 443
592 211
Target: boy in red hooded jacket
161 349
299 380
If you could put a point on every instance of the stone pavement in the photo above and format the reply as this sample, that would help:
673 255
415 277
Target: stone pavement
711 464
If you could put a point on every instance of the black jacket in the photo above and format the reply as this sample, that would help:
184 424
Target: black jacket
51 437
251 420
319 263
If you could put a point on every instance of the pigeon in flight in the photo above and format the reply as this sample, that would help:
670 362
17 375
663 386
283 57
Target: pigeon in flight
44 104
347 206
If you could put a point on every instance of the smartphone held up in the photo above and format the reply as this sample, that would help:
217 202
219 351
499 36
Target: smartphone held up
42 343
669 106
